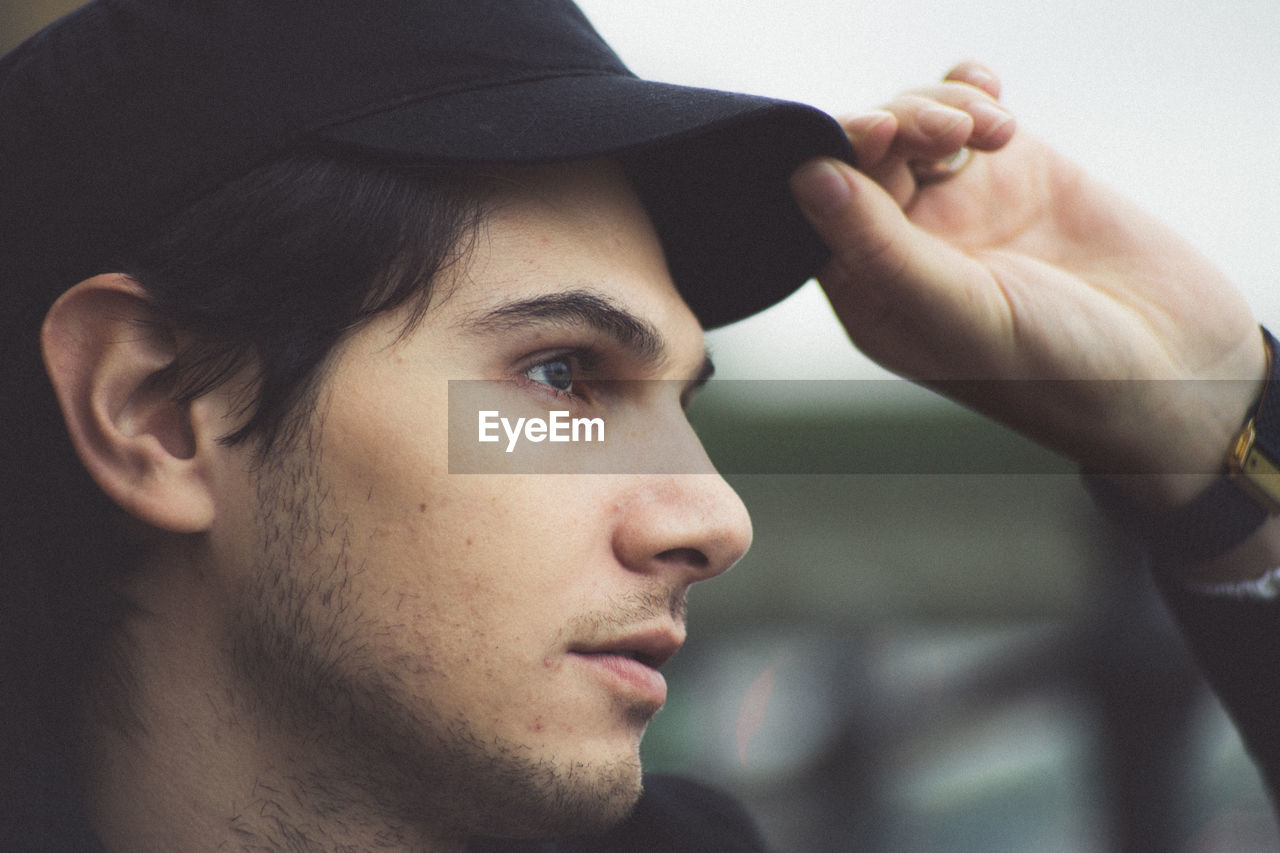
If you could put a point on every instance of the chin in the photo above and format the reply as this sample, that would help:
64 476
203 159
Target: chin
595 797
562 798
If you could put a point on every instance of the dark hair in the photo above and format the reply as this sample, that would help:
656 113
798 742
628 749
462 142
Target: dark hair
266 274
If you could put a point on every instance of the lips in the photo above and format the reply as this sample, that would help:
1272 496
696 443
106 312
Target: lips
651 648
629 664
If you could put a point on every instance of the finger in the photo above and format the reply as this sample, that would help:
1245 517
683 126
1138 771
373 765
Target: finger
977 75
929 131
874 136
907 298
922 131
932 123
925 129
928 126
871 135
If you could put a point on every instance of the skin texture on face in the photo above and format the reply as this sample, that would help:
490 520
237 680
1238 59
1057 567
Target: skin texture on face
430 655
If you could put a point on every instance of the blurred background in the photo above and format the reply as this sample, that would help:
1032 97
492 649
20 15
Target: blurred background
946 650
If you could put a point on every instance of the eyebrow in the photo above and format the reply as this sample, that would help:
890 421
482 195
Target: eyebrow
584 308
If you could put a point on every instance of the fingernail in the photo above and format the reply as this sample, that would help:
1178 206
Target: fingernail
936 120
820 188
864 122
987 119
981 78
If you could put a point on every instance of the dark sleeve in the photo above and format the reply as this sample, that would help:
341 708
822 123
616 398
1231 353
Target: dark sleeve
1236 641
38 811
674 815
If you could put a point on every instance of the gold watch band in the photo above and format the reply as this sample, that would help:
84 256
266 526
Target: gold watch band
1254 463
1255 471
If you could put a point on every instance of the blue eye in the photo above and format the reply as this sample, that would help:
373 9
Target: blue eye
556 374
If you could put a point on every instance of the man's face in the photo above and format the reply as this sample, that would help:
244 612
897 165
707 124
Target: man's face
481 648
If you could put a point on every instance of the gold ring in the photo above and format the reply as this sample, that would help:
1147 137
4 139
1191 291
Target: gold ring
935 171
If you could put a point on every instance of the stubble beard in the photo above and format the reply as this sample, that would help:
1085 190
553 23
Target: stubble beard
360 755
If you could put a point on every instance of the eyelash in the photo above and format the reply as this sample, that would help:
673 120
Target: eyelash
579 361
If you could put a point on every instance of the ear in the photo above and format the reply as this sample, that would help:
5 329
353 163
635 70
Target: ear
105 351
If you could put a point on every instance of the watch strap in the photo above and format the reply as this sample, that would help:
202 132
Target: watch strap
1267 417
1215 521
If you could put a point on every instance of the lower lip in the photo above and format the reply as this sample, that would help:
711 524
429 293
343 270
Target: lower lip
630 676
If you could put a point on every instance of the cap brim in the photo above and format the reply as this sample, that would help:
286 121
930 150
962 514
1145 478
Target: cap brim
710 166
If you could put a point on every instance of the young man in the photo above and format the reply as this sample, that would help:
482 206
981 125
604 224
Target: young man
251 603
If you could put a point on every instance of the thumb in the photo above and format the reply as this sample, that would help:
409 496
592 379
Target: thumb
907 298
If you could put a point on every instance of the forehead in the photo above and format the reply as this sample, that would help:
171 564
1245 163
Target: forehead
574 227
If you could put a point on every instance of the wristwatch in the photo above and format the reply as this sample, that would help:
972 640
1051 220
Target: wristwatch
1254 463
1228 511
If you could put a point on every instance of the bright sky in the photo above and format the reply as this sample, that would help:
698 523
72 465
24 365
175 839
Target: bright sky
1174 102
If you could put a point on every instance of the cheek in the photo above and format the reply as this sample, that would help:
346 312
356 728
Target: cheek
478 641
483 561
473 579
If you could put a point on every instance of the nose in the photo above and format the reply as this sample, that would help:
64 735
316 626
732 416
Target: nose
688 524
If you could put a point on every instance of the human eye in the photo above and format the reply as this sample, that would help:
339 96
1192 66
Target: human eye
565 374
555 373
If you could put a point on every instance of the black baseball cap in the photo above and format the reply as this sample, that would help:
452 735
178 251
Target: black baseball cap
127 111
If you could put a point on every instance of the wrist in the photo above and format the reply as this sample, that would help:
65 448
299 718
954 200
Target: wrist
1192 518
